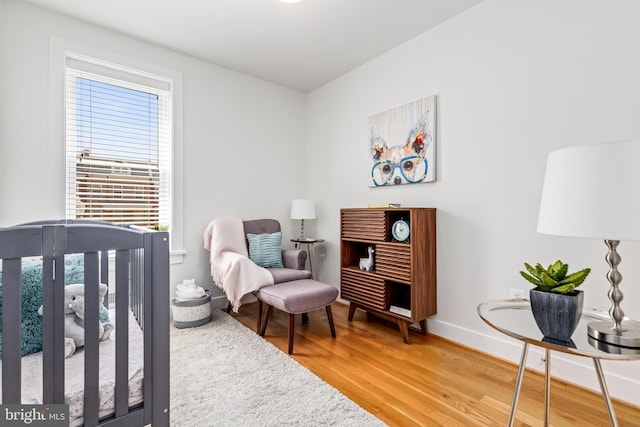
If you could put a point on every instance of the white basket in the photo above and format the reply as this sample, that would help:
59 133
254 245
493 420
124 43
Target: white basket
191 313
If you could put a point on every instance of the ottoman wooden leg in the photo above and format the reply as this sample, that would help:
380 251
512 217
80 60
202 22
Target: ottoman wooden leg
259 325
330 317
266 320
292 323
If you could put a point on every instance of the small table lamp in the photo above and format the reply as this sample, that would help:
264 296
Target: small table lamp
591 191
302 209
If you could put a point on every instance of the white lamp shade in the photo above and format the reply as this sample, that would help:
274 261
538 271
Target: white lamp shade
592 191
303 209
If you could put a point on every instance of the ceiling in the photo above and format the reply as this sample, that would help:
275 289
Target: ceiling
301 46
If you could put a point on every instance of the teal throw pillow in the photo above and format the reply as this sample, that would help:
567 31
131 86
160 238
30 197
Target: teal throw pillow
266 249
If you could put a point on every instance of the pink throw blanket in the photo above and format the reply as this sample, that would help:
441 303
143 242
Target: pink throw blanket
231 268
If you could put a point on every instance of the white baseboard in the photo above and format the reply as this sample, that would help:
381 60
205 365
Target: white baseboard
574 369
219 301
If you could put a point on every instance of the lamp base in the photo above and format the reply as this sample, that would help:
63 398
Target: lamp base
302 229
603 331
612 349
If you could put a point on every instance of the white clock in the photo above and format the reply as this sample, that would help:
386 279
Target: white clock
400 230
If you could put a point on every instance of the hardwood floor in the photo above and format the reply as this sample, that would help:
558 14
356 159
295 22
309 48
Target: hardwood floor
430 382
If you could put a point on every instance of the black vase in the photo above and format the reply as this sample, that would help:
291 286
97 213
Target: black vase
556 315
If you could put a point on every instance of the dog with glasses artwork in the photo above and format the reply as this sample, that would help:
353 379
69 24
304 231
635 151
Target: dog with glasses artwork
411 159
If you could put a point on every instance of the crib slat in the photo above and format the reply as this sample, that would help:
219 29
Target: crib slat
91 351
53 315
122 335
11 334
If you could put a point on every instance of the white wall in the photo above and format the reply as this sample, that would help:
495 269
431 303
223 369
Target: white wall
514 80
241 136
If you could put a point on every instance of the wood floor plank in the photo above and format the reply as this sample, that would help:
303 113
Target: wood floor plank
430 382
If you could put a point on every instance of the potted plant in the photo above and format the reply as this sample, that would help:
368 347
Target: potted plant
555 303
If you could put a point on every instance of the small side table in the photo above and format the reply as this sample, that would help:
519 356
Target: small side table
514 318
309 244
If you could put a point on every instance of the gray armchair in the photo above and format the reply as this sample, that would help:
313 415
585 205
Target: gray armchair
292 259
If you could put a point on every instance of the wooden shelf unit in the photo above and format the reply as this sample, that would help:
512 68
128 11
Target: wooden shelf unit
404 273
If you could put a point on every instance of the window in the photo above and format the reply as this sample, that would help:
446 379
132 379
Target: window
118 145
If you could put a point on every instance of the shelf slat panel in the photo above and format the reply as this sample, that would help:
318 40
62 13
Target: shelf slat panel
393 261
363 287
364 224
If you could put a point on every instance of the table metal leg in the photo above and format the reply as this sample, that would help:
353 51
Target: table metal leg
547 385
311 259
310 255
516 391
605 392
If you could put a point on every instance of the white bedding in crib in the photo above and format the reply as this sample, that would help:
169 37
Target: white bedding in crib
74 373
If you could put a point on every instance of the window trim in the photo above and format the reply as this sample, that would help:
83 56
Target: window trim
59 51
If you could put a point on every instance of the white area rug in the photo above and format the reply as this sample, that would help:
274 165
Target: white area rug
223 374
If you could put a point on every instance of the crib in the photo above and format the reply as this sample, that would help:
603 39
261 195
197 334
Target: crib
134 391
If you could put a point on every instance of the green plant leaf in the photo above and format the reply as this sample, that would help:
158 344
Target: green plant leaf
564 289
531 270
559 271
531 279
554 267
548 280
576 278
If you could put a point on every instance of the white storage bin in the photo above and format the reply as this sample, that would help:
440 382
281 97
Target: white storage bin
191 313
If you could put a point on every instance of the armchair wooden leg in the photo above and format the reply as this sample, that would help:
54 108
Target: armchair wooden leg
292 323
229 308
266 320
259 325
330 317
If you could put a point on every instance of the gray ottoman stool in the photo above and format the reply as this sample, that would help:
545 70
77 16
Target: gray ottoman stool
299 296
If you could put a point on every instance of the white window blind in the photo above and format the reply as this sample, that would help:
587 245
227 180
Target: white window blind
117 145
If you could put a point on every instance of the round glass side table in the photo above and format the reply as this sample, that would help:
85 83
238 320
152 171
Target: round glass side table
514 318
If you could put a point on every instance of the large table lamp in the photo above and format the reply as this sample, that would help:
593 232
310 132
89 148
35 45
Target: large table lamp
302 209
592 191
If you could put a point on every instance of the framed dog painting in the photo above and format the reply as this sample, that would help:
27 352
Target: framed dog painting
402 144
